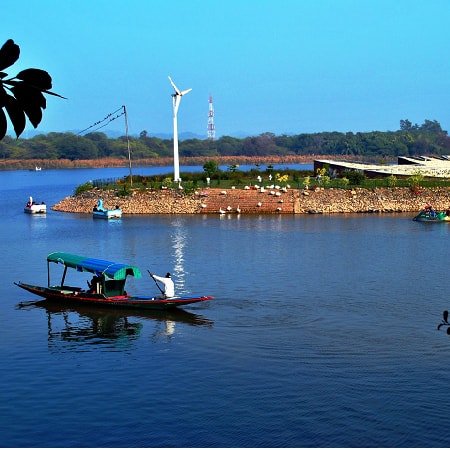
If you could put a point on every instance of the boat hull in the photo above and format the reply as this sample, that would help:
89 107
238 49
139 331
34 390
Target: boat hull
35 209
68 295
429 218
107 214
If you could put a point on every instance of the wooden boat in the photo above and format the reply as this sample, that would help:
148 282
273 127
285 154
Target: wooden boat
35 208
102 315
431 216
107 287
99 212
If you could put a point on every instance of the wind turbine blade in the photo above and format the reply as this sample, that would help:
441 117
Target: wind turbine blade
173 84
186 91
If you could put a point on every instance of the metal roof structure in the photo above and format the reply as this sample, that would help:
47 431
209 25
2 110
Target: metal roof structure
428 166
115 271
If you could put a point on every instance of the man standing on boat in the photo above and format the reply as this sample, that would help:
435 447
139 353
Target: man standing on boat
169 287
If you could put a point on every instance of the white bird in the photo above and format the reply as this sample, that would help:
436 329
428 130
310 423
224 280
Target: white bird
228 208
238 210
259 204
278 209
221 211
203 205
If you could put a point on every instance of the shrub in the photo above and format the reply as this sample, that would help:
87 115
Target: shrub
83 188
355 177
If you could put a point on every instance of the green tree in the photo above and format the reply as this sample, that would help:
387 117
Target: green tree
75 147
211 168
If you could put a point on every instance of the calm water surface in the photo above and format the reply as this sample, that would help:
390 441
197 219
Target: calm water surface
323 331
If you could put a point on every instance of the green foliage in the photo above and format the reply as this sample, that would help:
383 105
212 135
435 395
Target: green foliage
355 177
391 181
306 182
189 187
196 180
344 182
410 140
415 181
167 182
83 188
123 190
325 181
211 169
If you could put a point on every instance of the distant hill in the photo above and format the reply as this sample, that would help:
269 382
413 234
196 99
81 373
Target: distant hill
114 134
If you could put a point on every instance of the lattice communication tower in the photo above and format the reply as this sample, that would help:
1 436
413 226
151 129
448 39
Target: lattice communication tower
211 126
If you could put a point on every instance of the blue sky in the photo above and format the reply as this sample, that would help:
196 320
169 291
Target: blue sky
279 66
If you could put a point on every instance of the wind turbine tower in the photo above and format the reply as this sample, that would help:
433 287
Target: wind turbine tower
211 126
176 98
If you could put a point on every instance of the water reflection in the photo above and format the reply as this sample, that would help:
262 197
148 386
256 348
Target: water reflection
179 239
82 328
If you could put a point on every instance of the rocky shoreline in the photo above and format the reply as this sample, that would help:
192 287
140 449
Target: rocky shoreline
252 201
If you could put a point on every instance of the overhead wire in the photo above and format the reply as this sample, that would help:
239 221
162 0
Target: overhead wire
109 116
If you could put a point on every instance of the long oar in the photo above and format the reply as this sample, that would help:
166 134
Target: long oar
159 287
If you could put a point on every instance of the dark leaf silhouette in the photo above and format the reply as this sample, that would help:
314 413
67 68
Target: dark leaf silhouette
9 54
15 113
27 88
31 101
2 123
36 77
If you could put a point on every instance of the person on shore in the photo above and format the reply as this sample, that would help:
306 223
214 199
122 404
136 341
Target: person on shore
169 287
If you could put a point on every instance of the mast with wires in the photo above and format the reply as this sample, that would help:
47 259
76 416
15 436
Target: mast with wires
128 144
105 121
211 126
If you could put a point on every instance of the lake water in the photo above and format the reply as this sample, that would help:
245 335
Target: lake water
323 330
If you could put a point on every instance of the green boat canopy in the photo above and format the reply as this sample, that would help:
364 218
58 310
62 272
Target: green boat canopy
115 271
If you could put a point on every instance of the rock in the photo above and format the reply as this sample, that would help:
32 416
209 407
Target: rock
209 201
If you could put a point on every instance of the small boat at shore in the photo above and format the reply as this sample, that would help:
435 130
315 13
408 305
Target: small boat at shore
99 212
107 287
35 208
429 215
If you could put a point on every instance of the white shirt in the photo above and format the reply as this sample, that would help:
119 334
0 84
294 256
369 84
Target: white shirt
169 287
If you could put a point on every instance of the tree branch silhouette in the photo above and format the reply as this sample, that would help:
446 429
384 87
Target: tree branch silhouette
23 95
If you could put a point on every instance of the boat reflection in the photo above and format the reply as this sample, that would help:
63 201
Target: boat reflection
81 325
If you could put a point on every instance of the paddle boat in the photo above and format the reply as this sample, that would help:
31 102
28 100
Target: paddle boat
430 215
107 287
35 208
99 212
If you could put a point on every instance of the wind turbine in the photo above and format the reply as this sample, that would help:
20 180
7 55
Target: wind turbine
176 98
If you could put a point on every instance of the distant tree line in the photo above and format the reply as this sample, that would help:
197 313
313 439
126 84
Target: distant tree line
409 140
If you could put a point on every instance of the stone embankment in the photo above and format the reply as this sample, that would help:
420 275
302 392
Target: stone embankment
261 201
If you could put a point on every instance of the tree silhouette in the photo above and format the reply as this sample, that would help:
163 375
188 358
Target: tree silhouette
21 95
